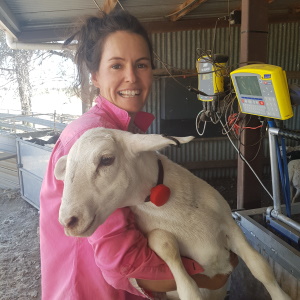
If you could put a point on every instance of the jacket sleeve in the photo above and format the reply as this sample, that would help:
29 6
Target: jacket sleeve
121 252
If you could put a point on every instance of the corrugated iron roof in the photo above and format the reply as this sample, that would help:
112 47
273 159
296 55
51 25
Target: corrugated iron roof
46 20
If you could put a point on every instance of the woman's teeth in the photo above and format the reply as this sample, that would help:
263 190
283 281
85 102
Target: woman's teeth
129 93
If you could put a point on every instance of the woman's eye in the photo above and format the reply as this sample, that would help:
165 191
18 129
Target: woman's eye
107 160
142 66
116 66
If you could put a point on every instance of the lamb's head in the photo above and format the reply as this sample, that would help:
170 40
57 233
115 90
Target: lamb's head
106 169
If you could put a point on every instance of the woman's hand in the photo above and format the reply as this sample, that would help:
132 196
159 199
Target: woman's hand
218 280
203 281
234 259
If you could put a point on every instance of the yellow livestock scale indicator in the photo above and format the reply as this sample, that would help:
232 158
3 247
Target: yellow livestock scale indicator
210 77
262 90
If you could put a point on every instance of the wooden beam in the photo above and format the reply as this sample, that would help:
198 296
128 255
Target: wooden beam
183 25
254 32
184 9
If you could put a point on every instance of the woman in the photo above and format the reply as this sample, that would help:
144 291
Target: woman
115 262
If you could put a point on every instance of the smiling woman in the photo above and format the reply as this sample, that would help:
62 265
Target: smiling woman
115 262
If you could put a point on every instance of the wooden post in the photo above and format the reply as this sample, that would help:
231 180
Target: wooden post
254 38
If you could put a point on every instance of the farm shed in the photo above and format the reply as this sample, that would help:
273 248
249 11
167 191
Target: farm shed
177 30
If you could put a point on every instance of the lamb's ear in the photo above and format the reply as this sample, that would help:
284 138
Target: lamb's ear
153 142
60 168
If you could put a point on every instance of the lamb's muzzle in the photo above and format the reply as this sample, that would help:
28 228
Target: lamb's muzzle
70 223
73 226
77 221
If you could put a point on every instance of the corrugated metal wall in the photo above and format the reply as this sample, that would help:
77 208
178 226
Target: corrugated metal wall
284 46
210 149
179 50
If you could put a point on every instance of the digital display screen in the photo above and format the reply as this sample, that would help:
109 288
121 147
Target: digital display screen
248 85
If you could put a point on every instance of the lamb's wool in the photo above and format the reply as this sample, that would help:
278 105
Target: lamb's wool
195 222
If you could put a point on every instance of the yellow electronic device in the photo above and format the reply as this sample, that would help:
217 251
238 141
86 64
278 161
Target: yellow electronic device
262 90
211 76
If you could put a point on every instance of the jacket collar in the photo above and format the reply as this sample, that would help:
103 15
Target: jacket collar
142 119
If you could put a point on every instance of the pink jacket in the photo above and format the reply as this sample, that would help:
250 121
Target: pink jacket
105 265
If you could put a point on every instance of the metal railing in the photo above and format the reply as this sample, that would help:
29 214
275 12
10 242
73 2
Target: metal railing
276 211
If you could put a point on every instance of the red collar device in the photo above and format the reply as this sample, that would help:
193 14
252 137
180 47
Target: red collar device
160 194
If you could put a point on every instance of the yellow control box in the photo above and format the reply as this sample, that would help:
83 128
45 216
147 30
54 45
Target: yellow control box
210 78
262 90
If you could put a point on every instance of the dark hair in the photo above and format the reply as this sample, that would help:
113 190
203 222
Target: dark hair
93 33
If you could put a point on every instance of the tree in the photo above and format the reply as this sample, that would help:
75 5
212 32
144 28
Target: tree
21 60
20 72
14 66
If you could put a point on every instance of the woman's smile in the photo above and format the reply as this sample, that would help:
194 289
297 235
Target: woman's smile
129 93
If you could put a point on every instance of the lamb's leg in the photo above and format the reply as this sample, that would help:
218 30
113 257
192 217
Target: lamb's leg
296 195
164 244
256 263
292 192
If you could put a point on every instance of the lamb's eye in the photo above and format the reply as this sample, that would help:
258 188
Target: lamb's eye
107 160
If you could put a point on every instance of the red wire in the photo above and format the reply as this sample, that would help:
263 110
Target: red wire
232 121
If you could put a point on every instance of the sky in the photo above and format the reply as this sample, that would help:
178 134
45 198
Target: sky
50 78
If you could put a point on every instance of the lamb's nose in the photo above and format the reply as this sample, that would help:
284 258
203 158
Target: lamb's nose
71 222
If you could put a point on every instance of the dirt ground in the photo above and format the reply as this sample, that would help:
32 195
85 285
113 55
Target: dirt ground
19 242
19 248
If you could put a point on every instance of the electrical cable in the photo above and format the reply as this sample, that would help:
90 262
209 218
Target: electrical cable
214 36
232 119
251 145
120 5
198 123
244 159
165 66
98 6
189 88
229 128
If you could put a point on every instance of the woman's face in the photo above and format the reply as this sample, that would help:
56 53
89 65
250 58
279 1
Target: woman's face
124 76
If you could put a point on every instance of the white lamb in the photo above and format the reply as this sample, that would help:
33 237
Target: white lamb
195 222
294 177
